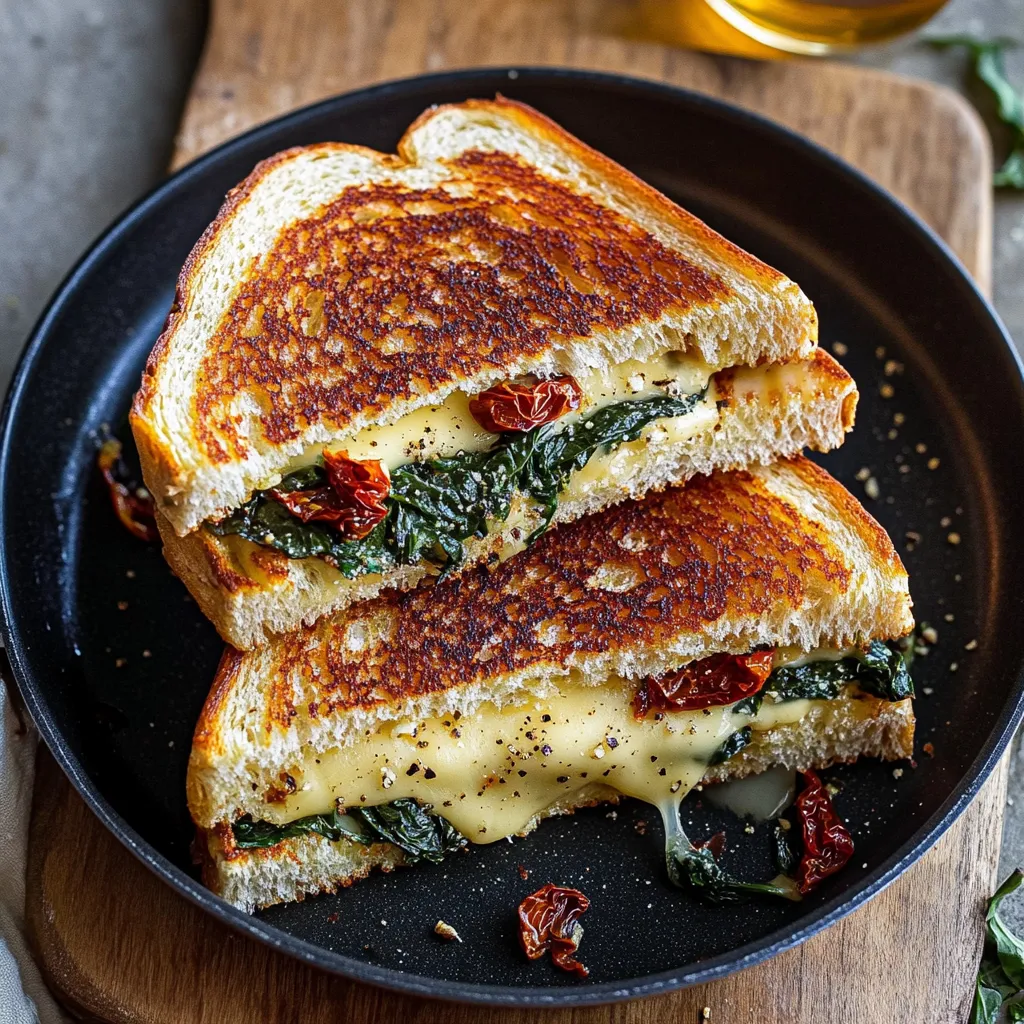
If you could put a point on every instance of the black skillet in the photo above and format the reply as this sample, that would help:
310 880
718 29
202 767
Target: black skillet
115 692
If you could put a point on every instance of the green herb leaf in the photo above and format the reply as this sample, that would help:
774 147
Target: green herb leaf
882 671
557 454
749 705
266 521
991 989
989 68
817 680
697 869
434 506
732 746
419 834
879 670
1001 972
251 834
1009 948
1011 174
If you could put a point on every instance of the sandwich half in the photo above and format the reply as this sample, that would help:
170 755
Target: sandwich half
379 367
702 634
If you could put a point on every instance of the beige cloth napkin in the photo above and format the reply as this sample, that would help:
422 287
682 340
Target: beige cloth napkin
24 998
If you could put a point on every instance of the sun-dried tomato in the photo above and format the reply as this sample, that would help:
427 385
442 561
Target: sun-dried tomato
828 844
549 919
720 679
519 407
132 503
353 502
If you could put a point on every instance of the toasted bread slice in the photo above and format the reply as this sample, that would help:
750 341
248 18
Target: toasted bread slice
251 592
836 731
775 556
340 287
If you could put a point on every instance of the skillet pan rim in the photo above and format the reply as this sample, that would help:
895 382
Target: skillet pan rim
478 81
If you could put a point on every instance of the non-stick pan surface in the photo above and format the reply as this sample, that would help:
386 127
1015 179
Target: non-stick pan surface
114 660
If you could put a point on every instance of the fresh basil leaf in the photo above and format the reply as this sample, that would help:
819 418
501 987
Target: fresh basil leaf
434 506
990 70
697 869
991 989
732 746
1001 972
1009 948
1011 174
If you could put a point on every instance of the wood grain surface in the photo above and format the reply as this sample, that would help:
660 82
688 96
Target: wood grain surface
119 946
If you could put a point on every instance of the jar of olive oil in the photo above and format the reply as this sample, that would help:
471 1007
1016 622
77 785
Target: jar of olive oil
796 26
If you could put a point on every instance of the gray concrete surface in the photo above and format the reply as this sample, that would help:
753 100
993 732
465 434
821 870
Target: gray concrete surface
90 92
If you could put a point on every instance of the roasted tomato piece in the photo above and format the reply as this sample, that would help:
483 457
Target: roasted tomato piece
511 407
720 679
828 844
132 503
353 502
549 919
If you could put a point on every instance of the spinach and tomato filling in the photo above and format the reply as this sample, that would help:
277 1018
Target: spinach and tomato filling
363 520
743 681
404 823
739 682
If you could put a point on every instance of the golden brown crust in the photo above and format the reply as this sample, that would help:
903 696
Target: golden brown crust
222 838
182 289
637 574
207 735
820 375
430 290
607 168
851 511
224 574
388 290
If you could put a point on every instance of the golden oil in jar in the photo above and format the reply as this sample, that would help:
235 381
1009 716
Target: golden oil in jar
824 26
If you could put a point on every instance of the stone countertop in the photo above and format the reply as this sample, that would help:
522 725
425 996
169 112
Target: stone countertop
91 92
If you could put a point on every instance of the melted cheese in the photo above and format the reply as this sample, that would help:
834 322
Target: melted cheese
438 431
794 657
604 469
762 381
620 463
490 774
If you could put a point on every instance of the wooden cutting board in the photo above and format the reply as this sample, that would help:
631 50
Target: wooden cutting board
119 946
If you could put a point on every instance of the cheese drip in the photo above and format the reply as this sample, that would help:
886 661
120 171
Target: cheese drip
438 431
491 773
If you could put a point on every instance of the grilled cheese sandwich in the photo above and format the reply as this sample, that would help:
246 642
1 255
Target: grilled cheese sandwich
510 694
355 307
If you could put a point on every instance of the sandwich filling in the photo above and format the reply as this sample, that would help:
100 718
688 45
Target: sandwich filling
492 773
416 490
